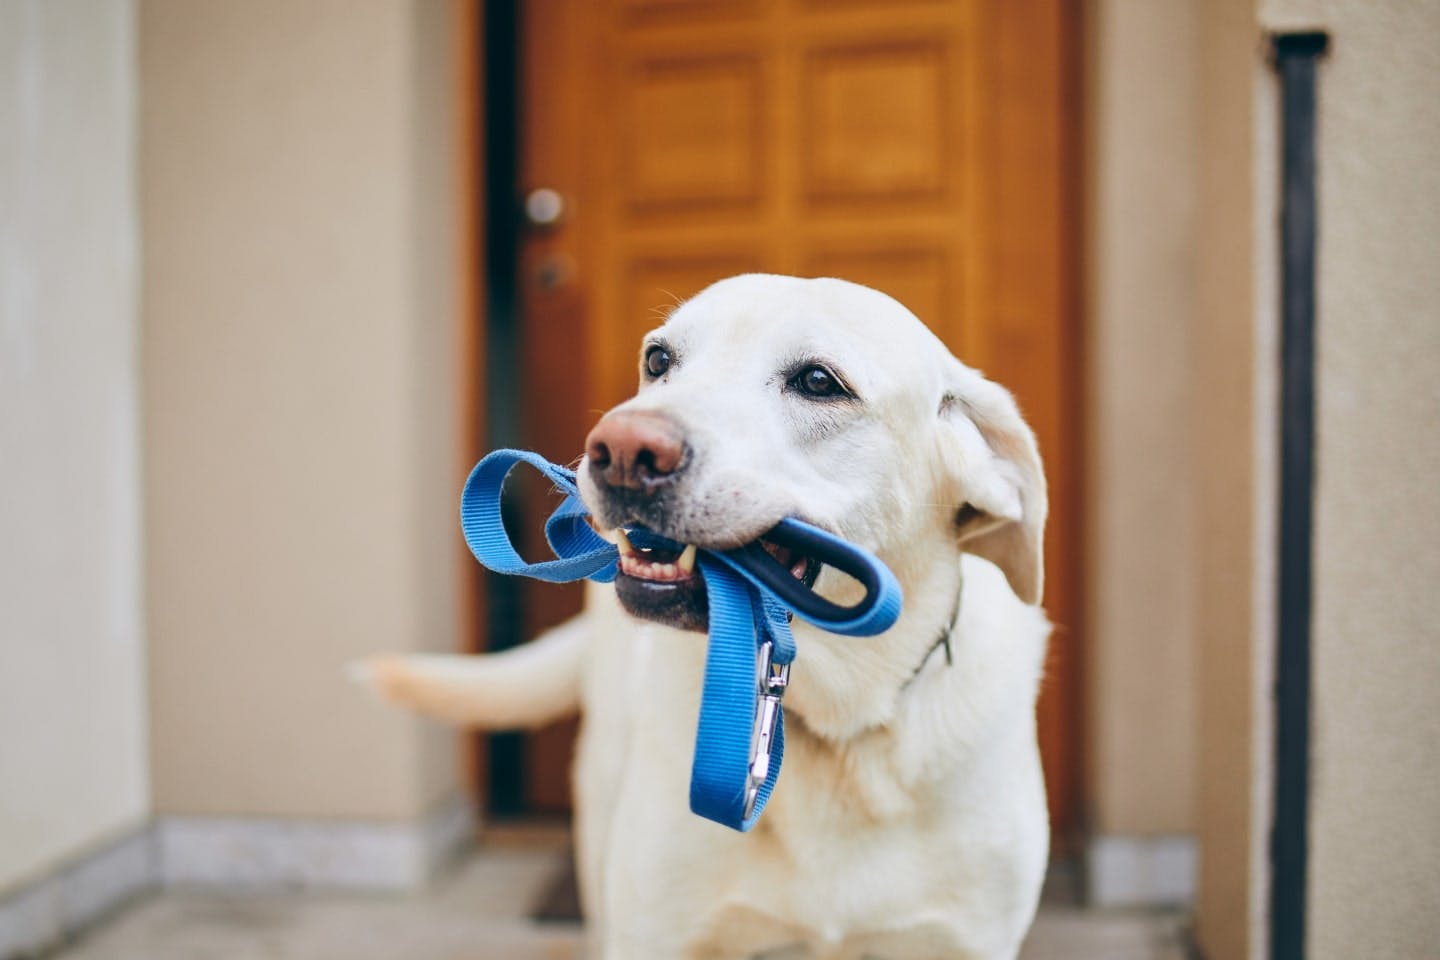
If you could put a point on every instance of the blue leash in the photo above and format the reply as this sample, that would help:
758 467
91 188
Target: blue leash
740 738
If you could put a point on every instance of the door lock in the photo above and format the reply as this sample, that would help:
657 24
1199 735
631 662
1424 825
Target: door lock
544 207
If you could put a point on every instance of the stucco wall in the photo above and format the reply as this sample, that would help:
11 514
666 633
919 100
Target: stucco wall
1374 834
1235 370
1143 137
1185 154
1375 778
72 677
299 183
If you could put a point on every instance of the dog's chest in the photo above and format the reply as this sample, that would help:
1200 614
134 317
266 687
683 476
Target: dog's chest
850 859
882 847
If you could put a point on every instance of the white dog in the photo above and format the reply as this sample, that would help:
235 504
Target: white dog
909 820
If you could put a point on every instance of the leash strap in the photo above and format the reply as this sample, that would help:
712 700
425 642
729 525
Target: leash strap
740 736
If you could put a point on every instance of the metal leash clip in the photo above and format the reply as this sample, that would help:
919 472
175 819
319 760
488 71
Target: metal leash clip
773 678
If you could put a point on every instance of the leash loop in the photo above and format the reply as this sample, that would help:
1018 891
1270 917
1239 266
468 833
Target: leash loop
740 733
581 552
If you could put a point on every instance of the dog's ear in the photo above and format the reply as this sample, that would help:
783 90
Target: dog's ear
993 473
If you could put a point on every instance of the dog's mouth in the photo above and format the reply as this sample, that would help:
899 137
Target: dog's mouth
662 581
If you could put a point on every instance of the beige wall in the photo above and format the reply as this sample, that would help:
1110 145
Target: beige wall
72 690
1235 442
1184 171
1142 118
299 186
1375 835
1375 777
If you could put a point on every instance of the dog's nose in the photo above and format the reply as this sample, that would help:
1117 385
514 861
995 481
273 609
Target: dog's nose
636 450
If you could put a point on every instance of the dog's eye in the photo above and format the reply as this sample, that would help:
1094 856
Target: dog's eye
818 382
657 361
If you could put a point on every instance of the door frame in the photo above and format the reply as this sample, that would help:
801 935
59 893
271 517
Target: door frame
1036 59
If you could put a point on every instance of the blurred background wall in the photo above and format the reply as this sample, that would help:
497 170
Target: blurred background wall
73 767
1183 149
1141 249
1374 876
221 490
299 186
1183 205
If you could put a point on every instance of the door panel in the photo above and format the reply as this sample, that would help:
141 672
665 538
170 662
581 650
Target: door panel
690 134
922 147
776 136
877 120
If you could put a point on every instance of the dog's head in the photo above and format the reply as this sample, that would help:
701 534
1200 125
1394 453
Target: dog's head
765 397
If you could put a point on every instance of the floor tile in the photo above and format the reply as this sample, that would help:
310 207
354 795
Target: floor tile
479 910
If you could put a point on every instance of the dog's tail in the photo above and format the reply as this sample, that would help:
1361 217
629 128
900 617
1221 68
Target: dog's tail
527 686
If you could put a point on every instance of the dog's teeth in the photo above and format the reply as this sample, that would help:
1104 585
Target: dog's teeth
623 542
666 571
686 563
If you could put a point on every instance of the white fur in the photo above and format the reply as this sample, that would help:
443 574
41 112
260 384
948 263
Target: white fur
909 821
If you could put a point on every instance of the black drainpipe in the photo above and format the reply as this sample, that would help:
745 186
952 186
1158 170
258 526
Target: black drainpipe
1295 55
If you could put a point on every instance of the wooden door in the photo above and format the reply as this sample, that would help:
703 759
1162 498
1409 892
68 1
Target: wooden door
923 147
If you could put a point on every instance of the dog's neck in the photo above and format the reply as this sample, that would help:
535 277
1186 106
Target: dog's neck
842 687
943 642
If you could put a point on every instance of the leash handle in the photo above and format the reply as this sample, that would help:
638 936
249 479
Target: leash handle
580 552
875 613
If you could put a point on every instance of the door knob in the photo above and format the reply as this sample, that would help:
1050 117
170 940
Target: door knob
544 207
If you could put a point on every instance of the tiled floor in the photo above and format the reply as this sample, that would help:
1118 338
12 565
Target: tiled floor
478 910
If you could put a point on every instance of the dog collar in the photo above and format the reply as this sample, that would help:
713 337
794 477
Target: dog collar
943 641
740 736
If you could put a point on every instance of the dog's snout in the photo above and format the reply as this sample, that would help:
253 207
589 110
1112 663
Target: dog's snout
636 451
